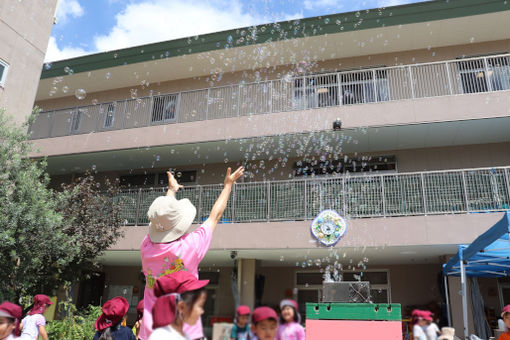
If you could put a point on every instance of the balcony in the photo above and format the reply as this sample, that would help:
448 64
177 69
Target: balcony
445 78
353 196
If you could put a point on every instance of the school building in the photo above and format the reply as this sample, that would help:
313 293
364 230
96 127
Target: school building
398 118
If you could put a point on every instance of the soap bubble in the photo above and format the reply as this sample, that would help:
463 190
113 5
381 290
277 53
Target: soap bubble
287 77
68 70
80 94
65 89
47 66
107 75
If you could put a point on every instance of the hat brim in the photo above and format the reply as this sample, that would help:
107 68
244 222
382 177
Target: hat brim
188 212
198 284
6 315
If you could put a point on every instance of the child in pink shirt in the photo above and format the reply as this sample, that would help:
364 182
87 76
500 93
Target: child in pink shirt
289 328
169 247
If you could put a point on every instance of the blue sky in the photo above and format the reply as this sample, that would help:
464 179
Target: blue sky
91 26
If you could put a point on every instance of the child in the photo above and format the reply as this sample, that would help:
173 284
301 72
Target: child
241 328
109 323
10 316
180 300
34 324
264 323
289 328
139 315
431 329
505 314
418 324
170 247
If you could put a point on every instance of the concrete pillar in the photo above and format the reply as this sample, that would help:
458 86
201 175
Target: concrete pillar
246 281
456 306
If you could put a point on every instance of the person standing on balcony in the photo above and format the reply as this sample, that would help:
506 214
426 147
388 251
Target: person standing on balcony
170 246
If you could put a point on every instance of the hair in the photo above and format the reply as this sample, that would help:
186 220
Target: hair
192 296
296 317
106 334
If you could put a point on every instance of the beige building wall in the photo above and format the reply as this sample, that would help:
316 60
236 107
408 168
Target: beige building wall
25 28
387 59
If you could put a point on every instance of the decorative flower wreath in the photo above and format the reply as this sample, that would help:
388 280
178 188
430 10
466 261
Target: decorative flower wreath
328 227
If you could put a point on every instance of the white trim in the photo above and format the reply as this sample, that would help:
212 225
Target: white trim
4 73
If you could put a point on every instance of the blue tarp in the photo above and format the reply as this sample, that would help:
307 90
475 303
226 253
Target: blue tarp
487 256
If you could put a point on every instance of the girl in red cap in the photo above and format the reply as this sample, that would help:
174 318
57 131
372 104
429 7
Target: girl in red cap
505 314
241 329
34 324
419 324
10 316
180 299
108 324
289 328
139 316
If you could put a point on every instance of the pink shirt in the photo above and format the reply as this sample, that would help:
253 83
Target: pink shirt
290 331
160 259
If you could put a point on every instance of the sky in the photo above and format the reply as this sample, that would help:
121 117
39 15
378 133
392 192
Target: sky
92 26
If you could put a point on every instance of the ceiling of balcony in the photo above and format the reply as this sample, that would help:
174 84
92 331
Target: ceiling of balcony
289 257
348 141
426 35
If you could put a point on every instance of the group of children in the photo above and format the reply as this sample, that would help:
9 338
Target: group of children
28 328
424 327
266 324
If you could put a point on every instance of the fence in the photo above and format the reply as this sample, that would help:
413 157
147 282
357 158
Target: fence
454 77
353 196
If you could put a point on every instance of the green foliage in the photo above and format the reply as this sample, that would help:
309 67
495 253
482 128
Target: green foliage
47 238
75 325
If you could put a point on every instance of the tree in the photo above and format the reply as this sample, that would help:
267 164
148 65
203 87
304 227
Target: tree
47 238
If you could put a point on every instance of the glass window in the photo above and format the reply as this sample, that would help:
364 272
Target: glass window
3 72
164 108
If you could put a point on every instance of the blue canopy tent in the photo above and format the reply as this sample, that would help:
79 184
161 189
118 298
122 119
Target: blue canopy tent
487 256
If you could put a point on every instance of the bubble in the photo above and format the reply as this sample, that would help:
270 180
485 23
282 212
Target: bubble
172 151
472 39
133 93
225 160
108 75
288 77
230 39
357 14
179 174
80 94
93 167
65 89
157 158
47 66
94 101
326 21
115 55
281 258
68 70
338 22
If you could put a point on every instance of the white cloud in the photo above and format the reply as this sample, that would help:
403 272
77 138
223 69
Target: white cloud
67 9
321 4
53 52
388 3
161 20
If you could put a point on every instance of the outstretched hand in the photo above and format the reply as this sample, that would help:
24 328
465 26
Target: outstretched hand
172 182
231 178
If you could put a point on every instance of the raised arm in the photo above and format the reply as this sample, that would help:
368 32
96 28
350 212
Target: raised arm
221 203
173 186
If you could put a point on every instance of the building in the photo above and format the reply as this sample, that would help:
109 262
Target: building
25 28
421 93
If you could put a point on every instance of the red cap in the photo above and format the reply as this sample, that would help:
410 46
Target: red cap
427 315
178 282
13 311
289 302
506 309
113 312
263 313
40 301
243 310
167 289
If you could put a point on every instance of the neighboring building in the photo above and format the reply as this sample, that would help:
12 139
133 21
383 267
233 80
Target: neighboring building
25 28
422 93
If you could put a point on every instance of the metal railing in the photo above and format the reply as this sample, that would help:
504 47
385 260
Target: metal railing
444 78
353 196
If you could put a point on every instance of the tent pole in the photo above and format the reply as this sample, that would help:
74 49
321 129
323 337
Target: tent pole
464 296
447 293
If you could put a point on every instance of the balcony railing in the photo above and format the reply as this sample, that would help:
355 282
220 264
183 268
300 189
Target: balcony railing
454 77
355 196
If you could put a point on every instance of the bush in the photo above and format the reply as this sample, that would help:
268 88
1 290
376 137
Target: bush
76 325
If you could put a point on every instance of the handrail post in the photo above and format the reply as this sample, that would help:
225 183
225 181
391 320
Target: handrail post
449 77
151 107
306 199
232 206
270 96
268 201
339 84
464 189
507 180
383 196
177 107
424 198
208 97
200 192
487 80
375 85
52 123
137 209
124 114
344 200
238 100
411 80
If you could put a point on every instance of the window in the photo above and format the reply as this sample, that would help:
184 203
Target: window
164 108
109 115
315 91
76 120
4 67
346 164
137 180
476 75
364 87
188 176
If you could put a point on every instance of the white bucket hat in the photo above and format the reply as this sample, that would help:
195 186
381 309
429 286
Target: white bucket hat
447 333
170 218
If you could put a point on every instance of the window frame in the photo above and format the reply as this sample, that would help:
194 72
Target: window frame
170 100
3 77
106 116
